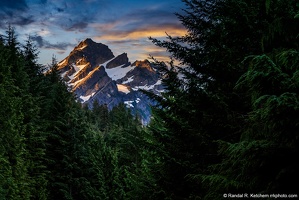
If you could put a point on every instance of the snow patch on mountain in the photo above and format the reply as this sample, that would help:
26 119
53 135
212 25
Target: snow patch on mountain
123 88
93 73
86 98
118 72
147 87
130 79
77 68
129 104
137 100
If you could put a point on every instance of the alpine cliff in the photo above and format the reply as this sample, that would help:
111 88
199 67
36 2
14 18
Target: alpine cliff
93 73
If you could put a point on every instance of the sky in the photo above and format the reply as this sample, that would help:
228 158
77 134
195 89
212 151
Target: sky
57 26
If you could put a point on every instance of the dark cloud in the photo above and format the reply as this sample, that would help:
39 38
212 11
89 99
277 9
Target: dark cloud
58 46
69 15
21 21
134 33
41 43
39 40
119 23
124 42
160 55
144 17
16 21
14 13
13 5
61 52
60 9
43 1
141 20
72 15
79 26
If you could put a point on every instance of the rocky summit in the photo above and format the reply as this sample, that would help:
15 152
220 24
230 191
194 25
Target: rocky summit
93 73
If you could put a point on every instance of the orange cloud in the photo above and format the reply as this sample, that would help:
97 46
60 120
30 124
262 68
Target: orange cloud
122 37
155 32
145 51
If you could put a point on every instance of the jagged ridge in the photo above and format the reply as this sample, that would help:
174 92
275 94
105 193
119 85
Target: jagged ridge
93 73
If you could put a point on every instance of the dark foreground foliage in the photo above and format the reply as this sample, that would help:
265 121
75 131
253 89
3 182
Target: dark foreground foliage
230 125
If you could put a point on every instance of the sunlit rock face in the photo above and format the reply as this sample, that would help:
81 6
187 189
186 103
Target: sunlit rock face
93 73
93 52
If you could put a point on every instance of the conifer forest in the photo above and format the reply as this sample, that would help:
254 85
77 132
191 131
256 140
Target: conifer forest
226 125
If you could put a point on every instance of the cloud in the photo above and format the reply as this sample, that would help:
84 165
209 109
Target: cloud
41 43
43 1
60 52
124 25
69 15
17 21
146 51
19 5
119 42
17 13
75 15
23 20
149 16
132 30
8 10
38 39
79 26
141 24
155 31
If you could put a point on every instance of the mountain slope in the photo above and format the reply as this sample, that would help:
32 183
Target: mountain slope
93 73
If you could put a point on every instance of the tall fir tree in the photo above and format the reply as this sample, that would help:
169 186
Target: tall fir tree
35 137
15 183
262 161
201 106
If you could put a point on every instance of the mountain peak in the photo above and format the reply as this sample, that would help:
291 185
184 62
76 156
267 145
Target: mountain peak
88 40
121 59
93 73
143 64
95 53
86 43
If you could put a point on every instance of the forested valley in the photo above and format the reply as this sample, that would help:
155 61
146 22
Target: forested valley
228 122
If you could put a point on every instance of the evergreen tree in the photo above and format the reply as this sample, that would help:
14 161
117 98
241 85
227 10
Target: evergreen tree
251 164
100 116
13 54
263 161
51 148
203 107
14 177
35 137
124 155
56 108
32 68
75 169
